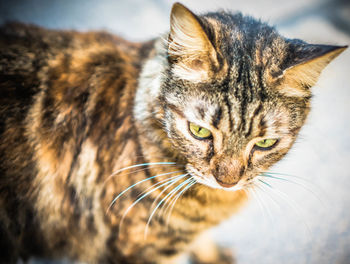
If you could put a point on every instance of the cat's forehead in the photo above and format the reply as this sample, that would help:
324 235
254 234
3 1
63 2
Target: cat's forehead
229 113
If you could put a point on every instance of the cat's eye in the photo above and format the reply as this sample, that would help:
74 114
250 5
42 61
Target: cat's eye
199 132
266 143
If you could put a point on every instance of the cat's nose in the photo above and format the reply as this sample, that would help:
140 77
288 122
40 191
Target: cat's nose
228 174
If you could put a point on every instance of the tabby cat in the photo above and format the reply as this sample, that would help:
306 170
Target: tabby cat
119 152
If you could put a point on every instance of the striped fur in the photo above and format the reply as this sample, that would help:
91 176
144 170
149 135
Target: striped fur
83 116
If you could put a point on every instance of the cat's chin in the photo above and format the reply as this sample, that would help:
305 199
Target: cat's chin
210 181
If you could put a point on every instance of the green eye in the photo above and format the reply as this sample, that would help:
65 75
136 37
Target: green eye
199 132
266 143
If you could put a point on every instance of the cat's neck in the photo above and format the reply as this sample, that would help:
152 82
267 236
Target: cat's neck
147 105
149 83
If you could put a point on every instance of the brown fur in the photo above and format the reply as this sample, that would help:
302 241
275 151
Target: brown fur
76 109
77 131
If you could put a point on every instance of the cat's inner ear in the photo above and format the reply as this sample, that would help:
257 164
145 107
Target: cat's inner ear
303 71
189 48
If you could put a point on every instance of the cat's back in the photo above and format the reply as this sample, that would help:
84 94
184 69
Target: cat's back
55 85
62 65
28 52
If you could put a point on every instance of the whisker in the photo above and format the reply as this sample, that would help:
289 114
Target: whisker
302 185
269 213
129 173
144 164
247 193
264 189
156 184
290 176
284 174
290 202
271 198
140 198
174 197
160 203
172 193
135 184
172 204
140 165
253 192
264 182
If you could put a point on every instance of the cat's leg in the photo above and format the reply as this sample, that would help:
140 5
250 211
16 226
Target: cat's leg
205 251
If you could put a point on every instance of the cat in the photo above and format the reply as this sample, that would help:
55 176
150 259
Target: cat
120 152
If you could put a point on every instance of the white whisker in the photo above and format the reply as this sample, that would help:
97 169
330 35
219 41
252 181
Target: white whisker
172 204
294 181
269 213
142 197
139 165
290 202
253 192
160 203
158 183
133 185
263 188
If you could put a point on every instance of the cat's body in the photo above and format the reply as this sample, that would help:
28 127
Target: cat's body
80 88
78 108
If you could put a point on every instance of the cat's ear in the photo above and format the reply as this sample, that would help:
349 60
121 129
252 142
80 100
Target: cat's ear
189 47
305 67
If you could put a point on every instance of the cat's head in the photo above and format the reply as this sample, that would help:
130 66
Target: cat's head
235 94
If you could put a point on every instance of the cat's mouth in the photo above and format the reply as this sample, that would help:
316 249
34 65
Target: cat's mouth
225 184
211 181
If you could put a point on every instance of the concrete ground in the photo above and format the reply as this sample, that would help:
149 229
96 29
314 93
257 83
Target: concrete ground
307 221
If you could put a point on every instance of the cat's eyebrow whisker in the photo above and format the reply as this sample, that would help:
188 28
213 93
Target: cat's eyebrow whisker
135 184
172 203
289 201
162 201
142 197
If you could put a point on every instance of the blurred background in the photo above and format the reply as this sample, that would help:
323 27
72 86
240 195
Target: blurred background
304 218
